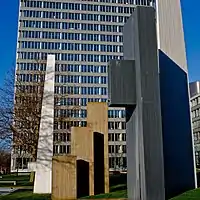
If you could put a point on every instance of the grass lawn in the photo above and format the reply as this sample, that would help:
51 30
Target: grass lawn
190 195
25 195
28 195
20 180
116 191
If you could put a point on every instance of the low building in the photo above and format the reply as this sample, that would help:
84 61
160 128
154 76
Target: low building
195 114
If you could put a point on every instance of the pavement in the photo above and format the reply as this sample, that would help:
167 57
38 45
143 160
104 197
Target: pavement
7 190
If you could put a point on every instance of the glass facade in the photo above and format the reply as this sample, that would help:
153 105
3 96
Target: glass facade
83 36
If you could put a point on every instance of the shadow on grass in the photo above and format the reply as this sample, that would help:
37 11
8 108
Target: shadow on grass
25 195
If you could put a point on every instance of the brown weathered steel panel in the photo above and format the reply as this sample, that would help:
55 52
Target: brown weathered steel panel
97 119
64 177
82 147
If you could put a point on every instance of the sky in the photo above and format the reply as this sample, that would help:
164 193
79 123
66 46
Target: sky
8 36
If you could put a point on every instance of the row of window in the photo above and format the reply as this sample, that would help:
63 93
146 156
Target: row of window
81 90
77 16
196 137
117 163
117 137
116 125
196 124
81 68
69 57
195 101
111 125
83 102
66 125
61 137
31 66
82 6
61 149
64 79
80 79
29 88
197 158
70 36
70 113
196 113
63 67
76 101
70 46
30 78
118 149
63 101
77 26
66 137
114 162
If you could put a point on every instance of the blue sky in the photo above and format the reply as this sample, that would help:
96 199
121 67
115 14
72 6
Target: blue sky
8 35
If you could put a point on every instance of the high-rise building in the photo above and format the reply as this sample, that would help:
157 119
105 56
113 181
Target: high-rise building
84 35
195 113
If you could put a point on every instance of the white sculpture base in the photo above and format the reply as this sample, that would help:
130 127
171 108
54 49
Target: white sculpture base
43 180
43 172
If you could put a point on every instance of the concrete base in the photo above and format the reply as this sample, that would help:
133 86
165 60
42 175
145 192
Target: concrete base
43 180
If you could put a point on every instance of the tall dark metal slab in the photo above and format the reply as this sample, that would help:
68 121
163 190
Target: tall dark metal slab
160 156
143 113
121 72
176 126
149 125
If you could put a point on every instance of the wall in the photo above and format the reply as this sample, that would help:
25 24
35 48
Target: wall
176 127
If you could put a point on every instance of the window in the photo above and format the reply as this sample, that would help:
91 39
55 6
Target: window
55 149
111 149
55 137
63 137
68 137
111 136
63 149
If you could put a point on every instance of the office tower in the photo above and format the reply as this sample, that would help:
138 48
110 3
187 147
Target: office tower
84 36
195 113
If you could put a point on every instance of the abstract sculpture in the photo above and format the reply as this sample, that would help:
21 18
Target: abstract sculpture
134 83
43 166
85 172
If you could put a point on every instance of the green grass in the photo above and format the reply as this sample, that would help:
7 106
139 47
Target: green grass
116 191
116 194
20 180
28 195
25 195
190 195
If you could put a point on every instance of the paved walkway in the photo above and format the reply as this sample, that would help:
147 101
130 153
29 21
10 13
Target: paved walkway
5 191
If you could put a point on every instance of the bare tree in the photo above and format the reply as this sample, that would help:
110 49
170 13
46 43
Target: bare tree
4 161
67 110
20 109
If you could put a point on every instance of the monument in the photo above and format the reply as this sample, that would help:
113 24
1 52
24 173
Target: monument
139 83
43 165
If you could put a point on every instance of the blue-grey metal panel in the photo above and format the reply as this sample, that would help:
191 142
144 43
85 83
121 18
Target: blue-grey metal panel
176 127
128 39
121 74
149 114
144 130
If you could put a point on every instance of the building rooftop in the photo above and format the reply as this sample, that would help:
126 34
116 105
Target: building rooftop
194 88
